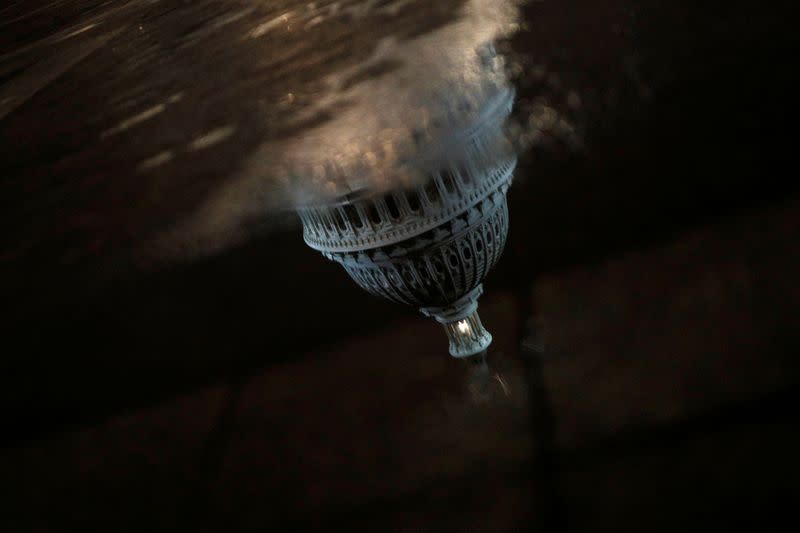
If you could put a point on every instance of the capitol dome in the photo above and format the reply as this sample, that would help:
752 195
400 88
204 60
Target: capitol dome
430 245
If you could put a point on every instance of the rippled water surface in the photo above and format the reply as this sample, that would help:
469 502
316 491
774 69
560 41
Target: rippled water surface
173 124
146 131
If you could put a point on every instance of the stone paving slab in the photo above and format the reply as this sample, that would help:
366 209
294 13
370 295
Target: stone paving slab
373 420
742 476
655 336
138 471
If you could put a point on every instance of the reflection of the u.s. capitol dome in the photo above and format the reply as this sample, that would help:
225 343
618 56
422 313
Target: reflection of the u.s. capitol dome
430 239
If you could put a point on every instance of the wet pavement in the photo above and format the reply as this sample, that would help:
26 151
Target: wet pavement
176 358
